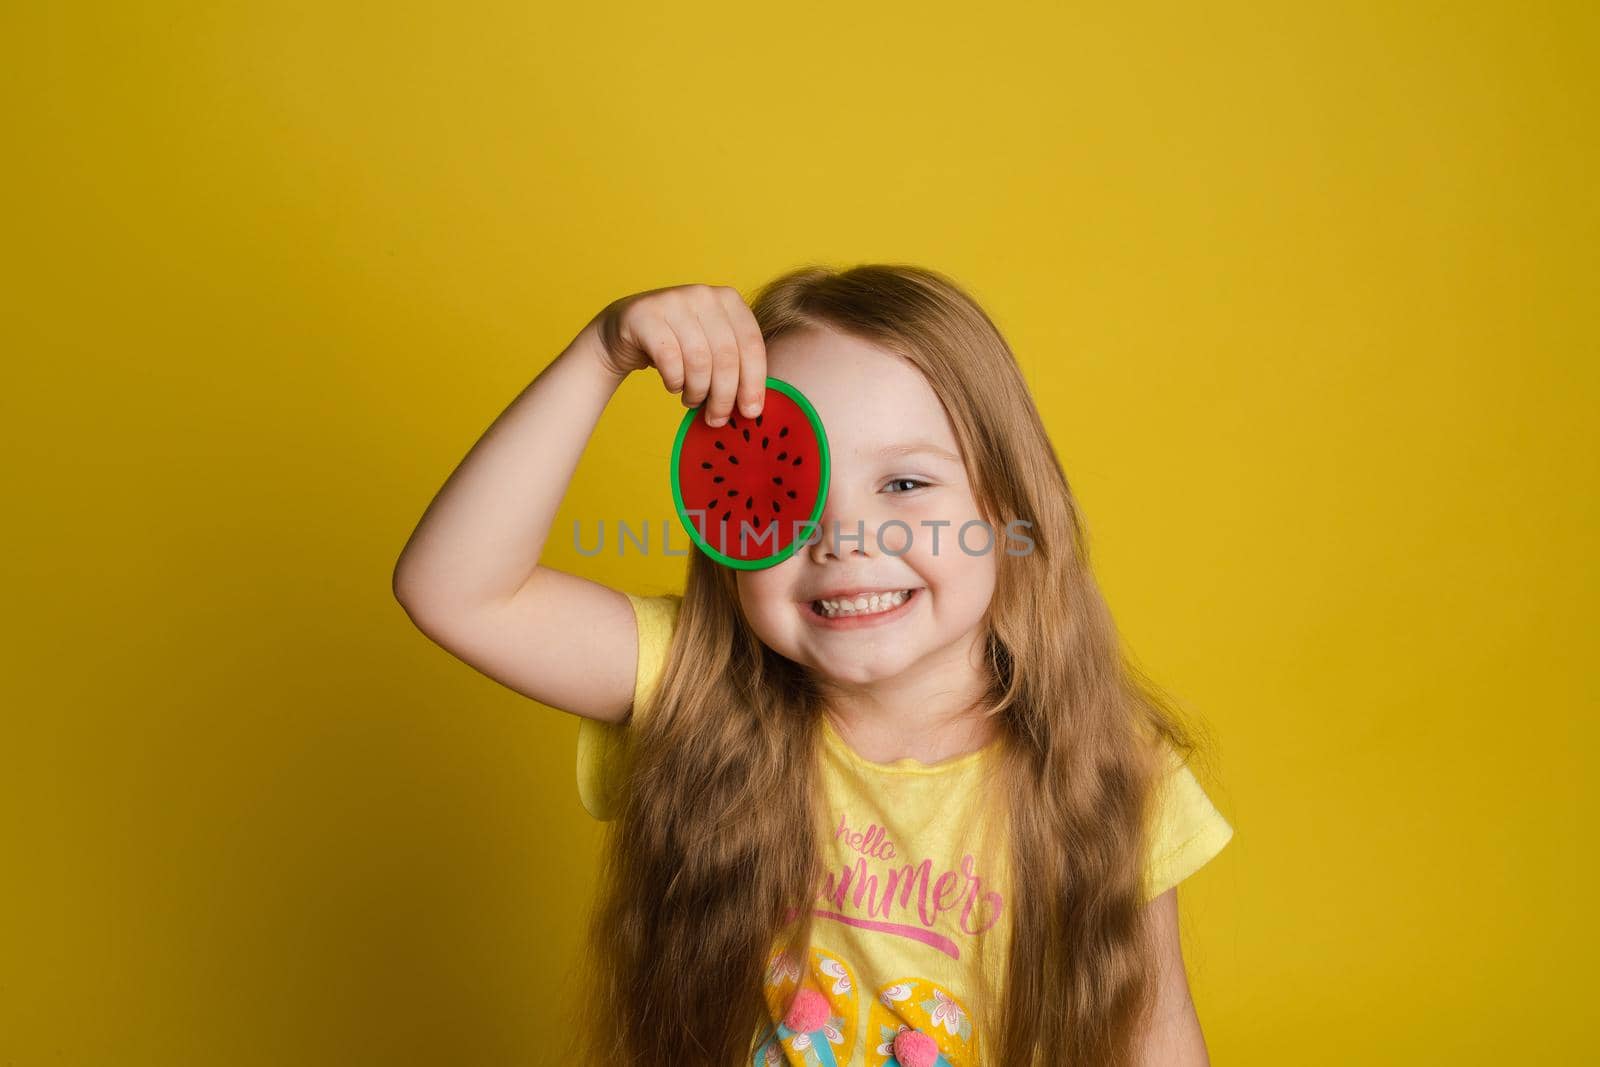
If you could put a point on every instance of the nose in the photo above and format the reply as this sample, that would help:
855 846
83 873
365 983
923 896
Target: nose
844 530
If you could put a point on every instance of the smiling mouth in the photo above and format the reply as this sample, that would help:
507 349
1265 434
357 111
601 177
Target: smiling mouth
863 607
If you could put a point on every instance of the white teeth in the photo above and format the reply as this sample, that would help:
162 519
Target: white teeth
864 605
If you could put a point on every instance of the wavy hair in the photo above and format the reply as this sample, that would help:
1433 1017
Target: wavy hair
716 845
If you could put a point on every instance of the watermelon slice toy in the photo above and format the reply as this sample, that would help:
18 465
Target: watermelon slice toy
750 492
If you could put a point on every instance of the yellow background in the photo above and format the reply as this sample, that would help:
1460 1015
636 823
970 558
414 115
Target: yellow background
1307 296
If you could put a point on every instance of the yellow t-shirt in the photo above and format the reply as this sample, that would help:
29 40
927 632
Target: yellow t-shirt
898 922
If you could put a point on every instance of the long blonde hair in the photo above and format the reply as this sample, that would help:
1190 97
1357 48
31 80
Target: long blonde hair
707 859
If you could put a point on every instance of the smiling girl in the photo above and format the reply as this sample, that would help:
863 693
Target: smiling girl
898 799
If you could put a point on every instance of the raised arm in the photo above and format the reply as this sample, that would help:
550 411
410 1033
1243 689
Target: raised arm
469 576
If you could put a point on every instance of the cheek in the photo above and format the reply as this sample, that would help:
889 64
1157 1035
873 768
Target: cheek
939 550
959 580
769 607
760 586
943 516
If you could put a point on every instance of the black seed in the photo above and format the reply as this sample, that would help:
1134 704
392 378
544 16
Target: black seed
783 455
705 466
784 432
746 435
713 503
764 441
793 495
735 459
777 479
720 445
775 506
726 515
717 478
758 419
733 422
749 500
797 460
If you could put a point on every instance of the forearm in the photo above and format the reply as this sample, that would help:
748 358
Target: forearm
481 538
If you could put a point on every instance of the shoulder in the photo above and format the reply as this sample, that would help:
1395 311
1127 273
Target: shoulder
604 748
656 611
1186 829
657 617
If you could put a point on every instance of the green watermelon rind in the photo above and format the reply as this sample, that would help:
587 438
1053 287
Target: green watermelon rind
822 485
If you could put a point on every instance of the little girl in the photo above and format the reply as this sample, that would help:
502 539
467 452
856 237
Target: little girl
899 799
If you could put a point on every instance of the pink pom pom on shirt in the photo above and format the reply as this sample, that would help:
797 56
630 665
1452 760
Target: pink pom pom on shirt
808 1013
913 1048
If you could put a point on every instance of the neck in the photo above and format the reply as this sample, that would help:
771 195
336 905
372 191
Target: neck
931 712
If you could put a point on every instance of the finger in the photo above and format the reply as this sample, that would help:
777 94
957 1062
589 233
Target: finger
752 353
724 359
660 344
695 348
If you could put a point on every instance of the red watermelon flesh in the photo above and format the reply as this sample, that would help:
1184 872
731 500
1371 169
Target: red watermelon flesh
765 476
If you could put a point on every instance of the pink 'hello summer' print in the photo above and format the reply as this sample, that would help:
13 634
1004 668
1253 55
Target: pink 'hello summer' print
875 893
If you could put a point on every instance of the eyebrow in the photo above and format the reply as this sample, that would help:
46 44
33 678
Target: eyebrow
918 446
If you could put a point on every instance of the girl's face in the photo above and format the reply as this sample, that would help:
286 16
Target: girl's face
893 457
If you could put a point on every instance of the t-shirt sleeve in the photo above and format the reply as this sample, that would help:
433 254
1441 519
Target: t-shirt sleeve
603 750
1187 830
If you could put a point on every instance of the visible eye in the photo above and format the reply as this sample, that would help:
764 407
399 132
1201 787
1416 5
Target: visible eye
909 481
